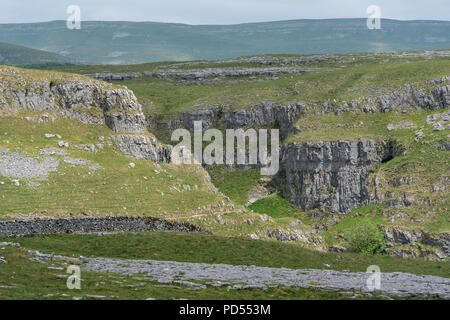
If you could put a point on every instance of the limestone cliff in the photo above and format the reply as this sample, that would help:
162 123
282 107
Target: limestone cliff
143 147
433 95
331 176
260 115
84 99
72 96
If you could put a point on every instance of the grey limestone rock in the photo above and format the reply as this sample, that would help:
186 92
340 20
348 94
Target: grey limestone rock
395 284
332 176
15 166
143 147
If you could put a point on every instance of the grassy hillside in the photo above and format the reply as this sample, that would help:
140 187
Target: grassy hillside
186 193
146 189
138 42
19 55
347 78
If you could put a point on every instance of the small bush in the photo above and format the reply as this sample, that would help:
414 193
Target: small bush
220 112
54 82
366 238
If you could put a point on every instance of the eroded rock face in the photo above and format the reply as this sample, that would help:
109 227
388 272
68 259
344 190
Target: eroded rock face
125 122
121 111
270 114
413 96
143 147
260 115
331 176
107 76
200 74
87 101
437 245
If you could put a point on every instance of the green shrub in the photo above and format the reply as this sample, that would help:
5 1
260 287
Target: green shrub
366 238
220 112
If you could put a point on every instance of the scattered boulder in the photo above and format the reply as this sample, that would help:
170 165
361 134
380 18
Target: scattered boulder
87 147
52 152
281 235
63 144
219 219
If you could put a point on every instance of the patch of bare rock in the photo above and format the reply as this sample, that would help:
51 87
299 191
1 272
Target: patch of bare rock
396 284
15 166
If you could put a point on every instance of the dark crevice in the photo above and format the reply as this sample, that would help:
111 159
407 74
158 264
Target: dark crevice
387 158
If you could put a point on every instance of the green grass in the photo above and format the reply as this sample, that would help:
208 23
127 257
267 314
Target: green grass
197 247
116 189
412 219
359 125
34 281
275 206
319 85
235 184
371 214
422 161
322 82
279 208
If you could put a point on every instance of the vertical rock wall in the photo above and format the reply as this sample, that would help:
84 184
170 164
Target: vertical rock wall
331 176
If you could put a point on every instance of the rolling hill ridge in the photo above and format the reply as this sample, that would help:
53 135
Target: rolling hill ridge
19 55
103 42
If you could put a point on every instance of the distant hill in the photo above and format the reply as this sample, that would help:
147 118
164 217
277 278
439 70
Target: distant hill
138 42
19 55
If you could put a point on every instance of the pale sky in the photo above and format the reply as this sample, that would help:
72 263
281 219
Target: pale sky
219 11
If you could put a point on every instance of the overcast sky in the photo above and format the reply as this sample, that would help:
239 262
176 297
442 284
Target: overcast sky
219 11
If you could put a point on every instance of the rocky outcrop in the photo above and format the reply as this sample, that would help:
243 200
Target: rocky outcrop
331 176
116 107
260 115
419 243
396 284
270 114
200 74
89 101
441 241
233 73
143 147
407 96
121 111
294 61
120 121
107 76
295 235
